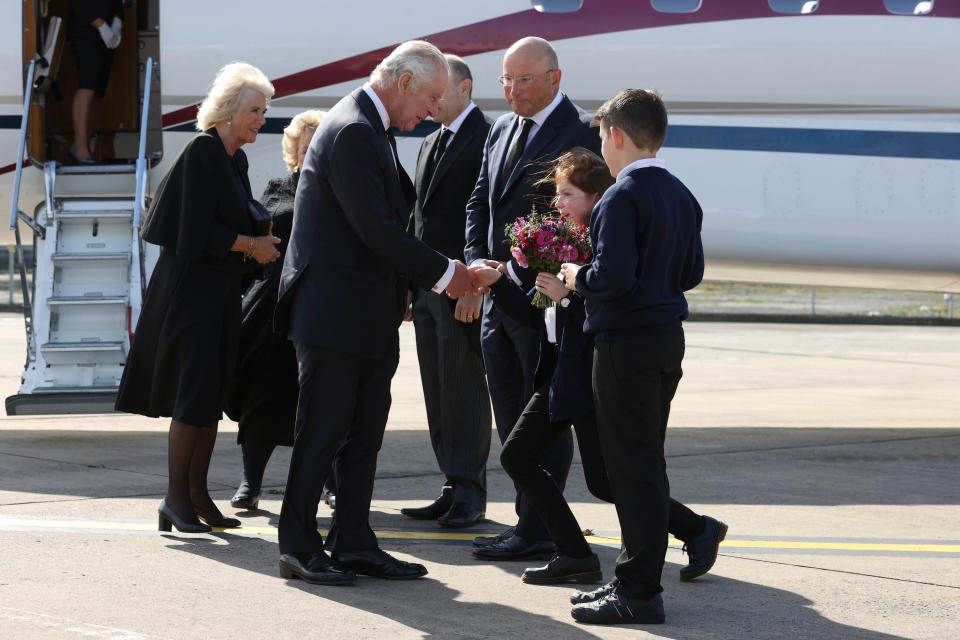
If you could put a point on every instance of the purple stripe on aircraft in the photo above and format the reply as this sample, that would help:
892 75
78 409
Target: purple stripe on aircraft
595 17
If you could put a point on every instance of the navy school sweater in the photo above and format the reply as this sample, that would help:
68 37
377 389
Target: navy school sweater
647 251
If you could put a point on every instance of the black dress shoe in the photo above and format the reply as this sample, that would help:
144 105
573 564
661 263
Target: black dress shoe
515 548
580 597
380 564
219 521
565 569
616 608
315 568
486 541
167 519
703 549
433 510
461 514
245 498
330 498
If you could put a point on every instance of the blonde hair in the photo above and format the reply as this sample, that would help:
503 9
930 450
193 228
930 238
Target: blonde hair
227 92
417 57
293 132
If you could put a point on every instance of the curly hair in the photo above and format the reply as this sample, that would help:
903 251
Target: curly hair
300 124
228 91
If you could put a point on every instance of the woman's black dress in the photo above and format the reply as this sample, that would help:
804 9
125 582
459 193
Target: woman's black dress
184 351
263 396
91 55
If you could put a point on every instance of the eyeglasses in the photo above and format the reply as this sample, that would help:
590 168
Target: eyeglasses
522 81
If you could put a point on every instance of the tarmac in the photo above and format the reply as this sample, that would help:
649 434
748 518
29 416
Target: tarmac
833 453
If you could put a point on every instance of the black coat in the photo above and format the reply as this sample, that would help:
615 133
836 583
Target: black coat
565 128
84 12
184 350
565 367
263 396
345 276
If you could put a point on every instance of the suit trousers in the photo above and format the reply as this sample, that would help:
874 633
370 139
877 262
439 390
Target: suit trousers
510 355
455 394
634 382
341 415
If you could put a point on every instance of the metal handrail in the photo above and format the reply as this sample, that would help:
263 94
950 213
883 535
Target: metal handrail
22 145
142 166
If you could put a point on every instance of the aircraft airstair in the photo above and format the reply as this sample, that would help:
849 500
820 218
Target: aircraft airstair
88 279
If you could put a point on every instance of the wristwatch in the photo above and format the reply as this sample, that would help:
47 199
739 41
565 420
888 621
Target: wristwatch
565 301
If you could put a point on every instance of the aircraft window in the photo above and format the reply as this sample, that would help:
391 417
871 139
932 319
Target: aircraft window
794 6
557 6
676 6
909 7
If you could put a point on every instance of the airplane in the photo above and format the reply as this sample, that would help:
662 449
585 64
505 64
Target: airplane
822 137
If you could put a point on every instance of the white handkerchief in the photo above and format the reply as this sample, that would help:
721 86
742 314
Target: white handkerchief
550 319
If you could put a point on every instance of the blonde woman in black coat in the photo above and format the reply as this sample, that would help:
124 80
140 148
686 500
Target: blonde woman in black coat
186 344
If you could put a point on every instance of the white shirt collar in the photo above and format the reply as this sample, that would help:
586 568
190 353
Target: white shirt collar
640 164
458 121
541 116
378 103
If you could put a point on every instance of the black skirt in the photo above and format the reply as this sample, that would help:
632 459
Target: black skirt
184 351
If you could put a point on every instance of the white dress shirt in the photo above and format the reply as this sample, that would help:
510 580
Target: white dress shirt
385 121
640 164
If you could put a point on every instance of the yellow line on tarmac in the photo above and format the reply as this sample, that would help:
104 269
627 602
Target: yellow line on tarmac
35 524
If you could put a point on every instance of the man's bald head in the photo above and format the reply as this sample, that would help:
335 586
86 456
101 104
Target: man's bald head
532 75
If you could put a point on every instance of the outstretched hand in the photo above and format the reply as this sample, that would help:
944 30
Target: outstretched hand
487 275
463 282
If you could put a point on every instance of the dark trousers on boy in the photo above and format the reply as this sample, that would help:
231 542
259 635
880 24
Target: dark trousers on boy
634 381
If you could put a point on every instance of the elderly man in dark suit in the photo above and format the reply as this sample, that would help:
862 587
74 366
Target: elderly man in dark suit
342 296
543 125
448 333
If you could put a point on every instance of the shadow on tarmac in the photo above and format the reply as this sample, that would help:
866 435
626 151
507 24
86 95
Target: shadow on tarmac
695 611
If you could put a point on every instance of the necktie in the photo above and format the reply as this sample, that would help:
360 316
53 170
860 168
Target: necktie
516 150
393 147
434 158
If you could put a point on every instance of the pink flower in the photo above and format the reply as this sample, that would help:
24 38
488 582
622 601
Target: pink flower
568 253
543 238
519 257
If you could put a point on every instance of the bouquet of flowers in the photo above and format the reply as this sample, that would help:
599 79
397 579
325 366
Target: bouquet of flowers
544 241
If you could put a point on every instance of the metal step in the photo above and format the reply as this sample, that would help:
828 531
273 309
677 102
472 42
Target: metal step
69 300
85 347
96 168
44 400
75 257
80 216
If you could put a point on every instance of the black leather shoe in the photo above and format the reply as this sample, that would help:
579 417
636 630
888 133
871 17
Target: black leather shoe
245 498
433 510
461 514
380 564
565 569
486 541
515 548
315 568
168 519
581 597
219 521
616 608
330 498
703 549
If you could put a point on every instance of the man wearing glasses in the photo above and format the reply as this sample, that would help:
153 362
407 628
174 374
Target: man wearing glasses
544 124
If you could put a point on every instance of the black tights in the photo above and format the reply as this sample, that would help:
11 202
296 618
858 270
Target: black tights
188 461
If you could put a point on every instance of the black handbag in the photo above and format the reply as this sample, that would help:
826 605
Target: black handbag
259 216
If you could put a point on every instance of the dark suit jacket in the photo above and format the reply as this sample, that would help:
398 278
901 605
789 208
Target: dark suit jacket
566 367
439 215
565 128
343 286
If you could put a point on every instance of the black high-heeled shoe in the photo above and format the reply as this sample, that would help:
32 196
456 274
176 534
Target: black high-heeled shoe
168 518
247 500
219 521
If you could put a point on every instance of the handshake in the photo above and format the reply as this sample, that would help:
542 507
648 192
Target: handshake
473 281
110 33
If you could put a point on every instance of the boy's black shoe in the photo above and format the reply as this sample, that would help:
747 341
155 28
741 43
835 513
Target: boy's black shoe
616 608
565 569
703 549
581 597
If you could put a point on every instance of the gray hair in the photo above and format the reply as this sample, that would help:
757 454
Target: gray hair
418 58
228 92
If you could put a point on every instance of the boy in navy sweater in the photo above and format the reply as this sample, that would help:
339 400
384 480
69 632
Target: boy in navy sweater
647 252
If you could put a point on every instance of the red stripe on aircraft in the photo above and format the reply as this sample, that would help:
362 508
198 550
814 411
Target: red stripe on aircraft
595 17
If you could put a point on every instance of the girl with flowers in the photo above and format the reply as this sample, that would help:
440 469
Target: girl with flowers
563 393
